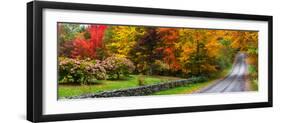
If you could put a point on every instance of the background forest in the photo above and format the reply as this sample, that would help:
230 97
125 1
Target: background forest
92 52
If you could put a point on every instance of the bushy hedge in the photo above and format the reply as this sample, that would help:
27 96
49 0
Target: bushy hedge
80 71
85 71
98 70
117 66
199 79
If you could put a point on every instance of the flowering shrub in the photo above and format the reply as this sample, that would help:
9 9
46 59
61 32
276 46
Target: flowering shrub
80 71
71 70
84 71
98 70
117 66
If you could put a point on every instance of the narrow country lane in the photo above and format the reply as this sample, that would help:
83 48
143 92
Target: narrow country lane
234 81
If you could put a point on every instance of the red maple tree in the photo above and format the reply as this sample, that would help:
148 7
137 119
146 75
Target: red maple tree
86 48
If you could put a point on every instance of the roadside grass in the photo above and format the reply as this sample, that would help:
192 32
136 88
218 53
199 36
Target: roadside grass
190 88
252 78
254 85
107 85
193 87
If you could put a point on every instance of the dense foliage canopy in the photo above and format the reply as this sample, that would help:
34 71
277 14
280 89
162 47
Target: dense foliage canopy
182 52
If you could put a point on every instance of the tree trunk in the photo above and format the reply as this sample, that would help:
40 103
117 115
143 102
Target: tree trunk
197 58
118 75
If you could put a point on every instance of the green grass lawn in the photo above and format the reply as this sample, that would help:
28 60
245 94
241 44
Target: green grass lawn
107 85
132 81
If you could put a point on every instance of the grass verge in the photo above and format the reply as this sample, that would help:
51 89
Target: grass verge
254 85
107 85
190 88
252 78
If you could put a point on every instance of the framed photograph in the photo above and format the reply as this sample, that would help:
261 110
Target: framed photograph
89 61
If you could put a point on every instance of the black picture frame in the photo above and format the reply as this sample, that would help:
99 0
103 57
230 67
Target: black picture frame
35 69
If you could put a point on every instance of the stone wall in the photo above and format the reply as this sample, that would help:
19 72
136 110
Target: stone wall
137 91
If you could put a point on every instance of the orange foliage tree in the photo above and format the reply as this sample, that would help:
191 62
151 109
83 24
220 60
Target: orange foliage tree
169 37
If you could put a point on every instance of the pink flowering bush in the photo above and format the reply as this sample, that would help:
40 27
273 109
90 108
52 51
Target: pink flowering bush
98 70
85 71
116 66
80 71
70 71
